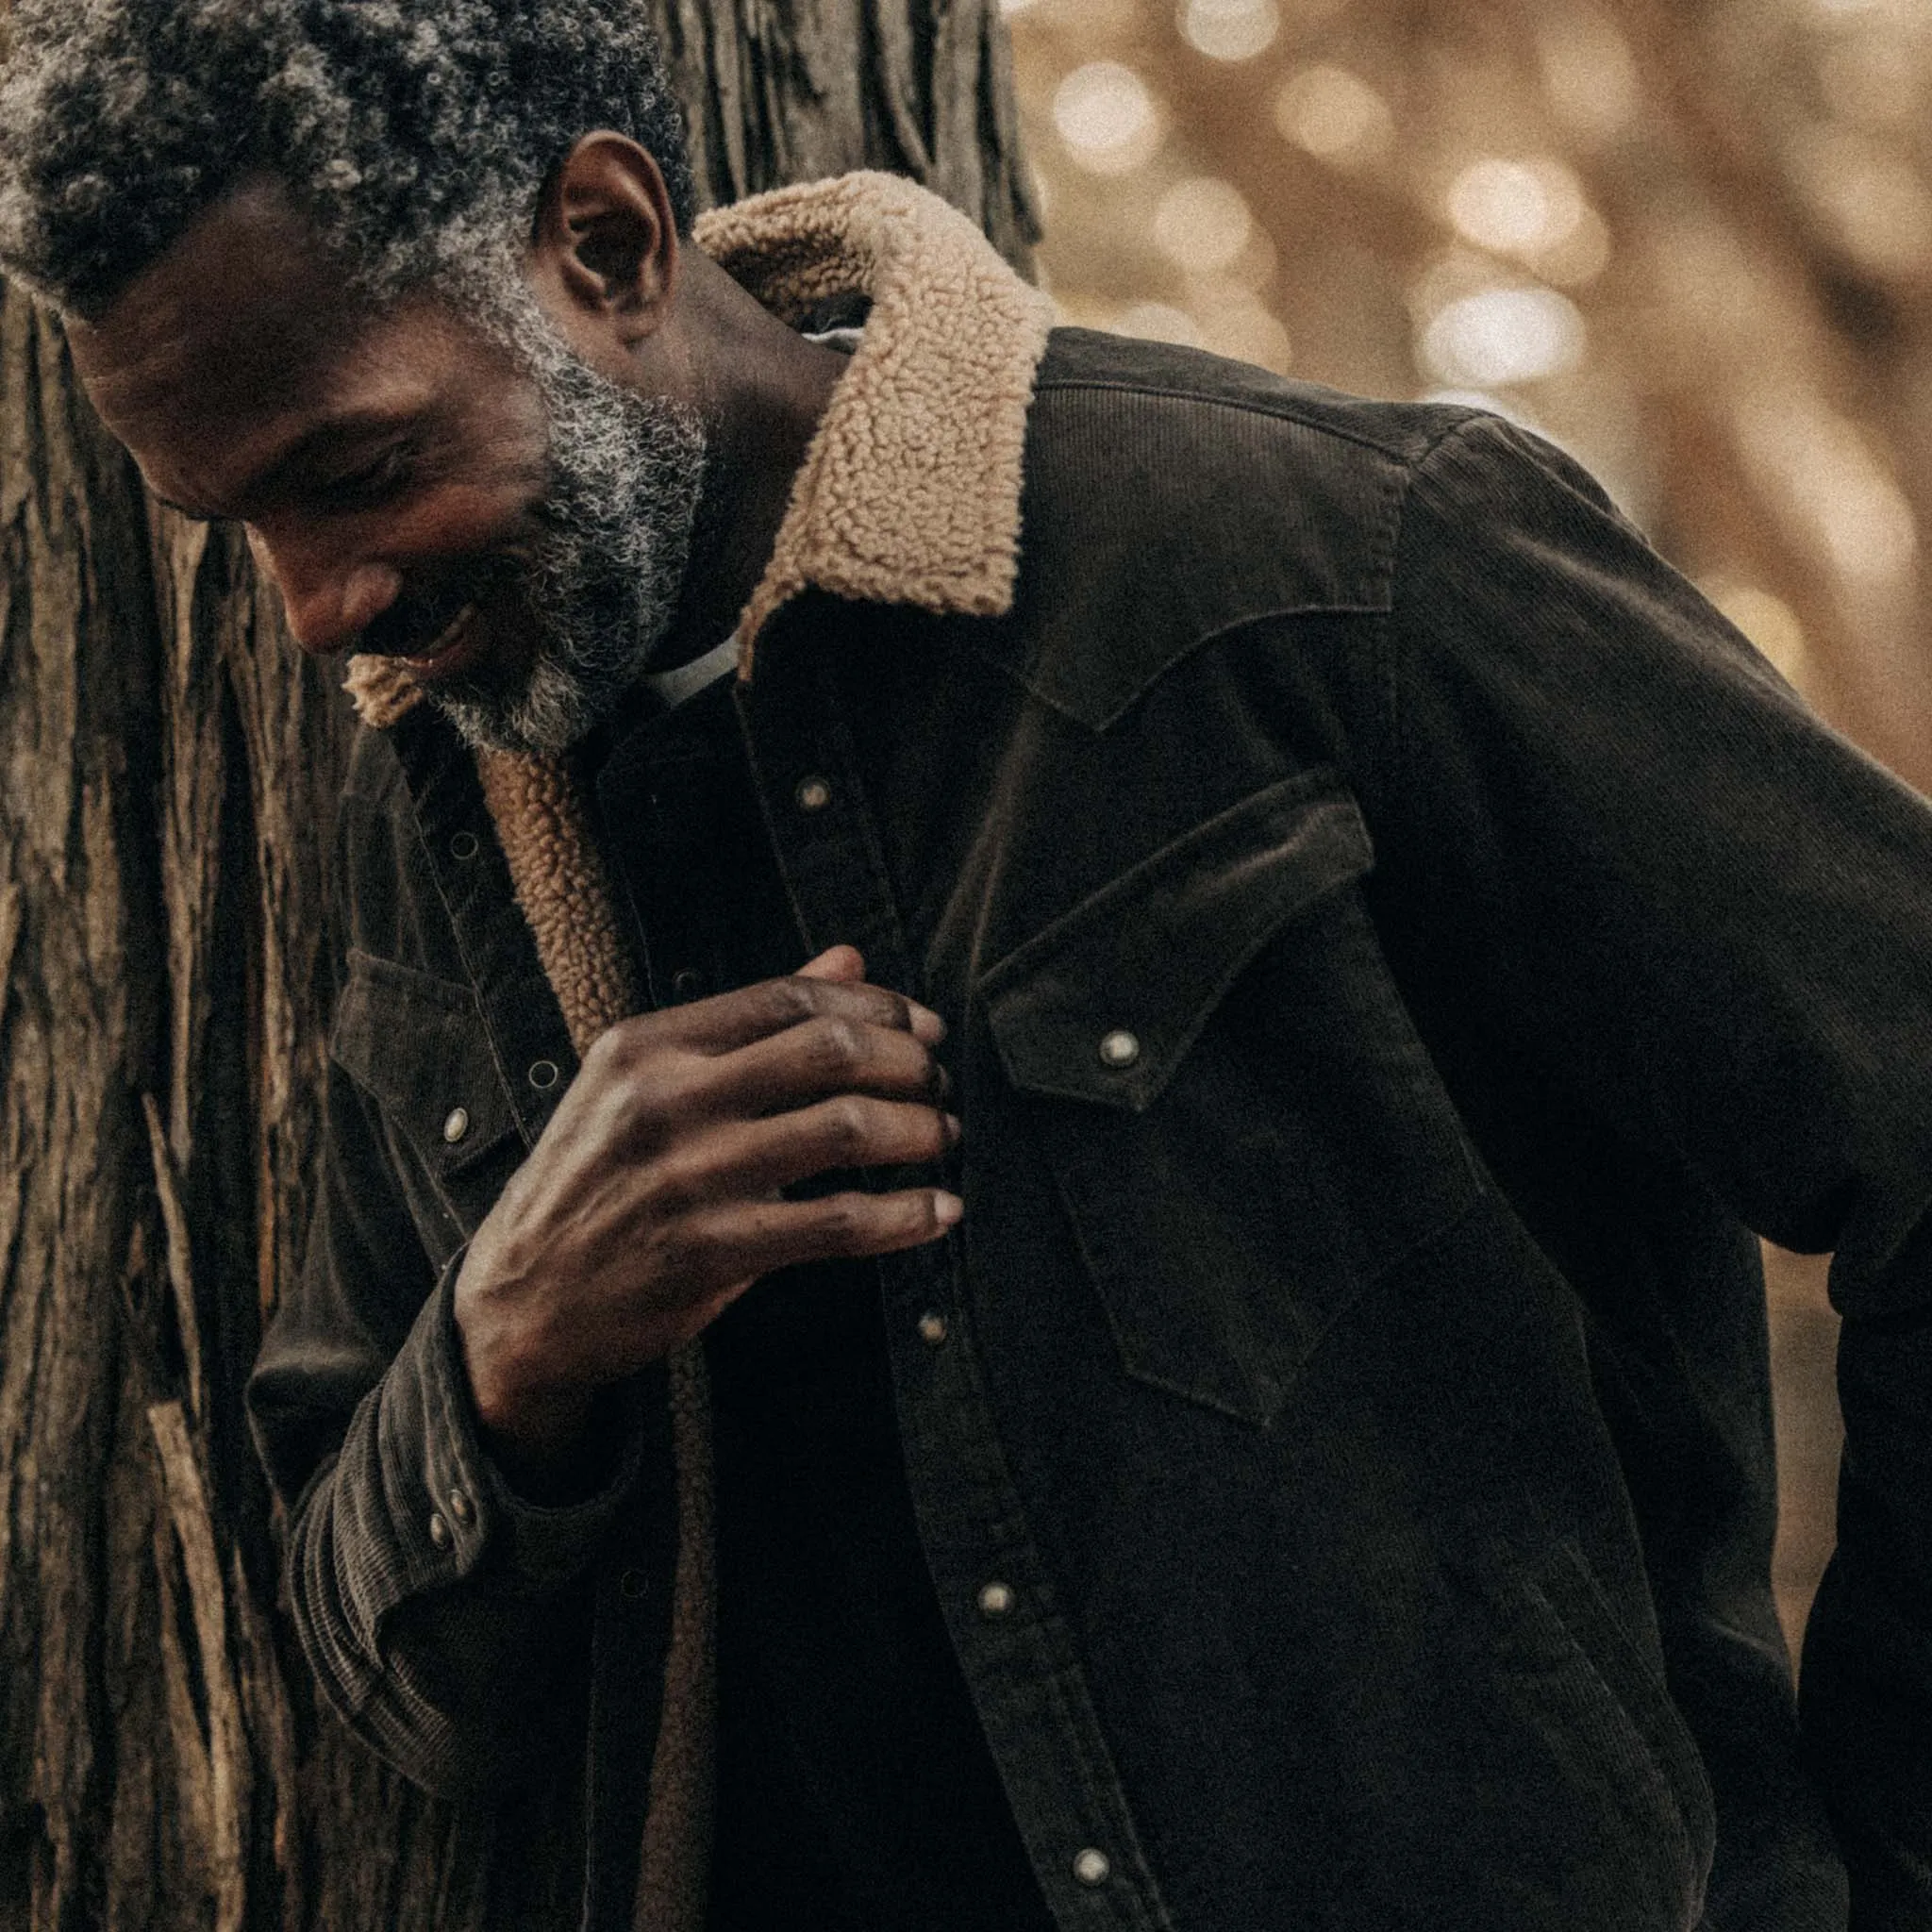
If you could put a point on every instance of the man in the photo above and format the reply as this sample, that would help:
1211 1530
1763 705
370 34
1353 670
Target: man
1321 947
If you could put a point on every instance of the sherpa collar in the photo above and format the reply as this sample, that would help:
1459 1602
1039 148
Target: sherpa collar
910 492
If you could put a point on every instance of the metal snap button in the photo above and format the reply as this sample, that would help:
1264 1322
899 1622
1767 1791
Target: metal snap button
460 1505
995 1599
464 845
686 984
813 794
1092 1866
440 1532
543 1075
456 1125
932 1328
633 1584
1119 1048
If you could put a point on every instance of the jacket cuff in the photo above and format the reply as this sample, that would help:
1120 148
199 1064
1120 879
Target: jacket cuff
467 1515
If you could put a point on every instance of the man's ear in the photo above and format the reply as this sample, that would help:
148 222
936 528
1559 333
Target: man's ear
606 241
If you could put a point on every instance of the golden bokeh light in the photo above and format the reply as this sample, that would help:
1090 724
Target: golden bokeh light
1516 208
1501 337
1589 73
1106 117
1229 29
1201 224
1335 115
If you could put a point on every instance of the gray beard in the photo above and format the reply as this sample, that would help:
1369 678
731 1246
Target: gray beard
602 584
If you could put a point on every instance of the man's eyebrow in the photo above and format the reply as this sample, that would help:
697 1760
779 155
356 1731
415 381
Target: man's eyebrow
339 431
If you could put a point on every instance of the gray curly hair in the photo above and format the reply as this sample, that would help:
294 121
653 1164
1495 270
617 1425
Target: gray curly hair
415 134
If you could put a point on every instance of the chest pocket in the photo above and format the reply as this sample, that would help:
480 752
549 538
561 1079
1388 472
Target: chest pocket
1244 1126
418 1045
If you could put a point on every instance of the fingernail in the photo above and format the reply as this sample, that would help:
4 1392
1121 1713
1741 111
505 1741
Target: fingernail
953 1128
926 1024
946 1209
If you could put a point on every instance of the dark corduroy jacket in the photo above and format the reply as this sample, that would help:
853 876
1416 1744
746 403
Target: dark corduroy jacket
1357 1369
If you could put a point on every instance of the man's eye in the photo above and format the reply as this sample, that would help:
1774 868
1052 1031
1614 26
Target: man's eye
374 481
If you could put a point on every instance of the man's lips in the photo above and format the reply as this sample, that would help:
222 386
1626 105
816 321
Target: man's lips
432 628
451 650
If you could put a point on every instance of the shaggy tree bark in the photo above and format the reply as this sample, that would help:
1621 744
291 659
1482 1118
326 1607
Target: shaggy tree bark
167 767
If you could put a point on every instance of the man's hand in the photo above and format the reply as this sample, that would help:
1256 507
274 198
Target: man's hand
652 1200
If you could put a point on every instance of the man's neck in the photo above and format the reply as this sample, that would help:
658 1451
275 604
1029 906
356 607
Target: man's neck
763 389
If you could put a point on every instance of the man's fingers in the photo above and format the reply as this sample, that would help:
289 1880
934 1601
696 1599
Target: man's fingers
749 1239
732 1020
833 1054
744 1159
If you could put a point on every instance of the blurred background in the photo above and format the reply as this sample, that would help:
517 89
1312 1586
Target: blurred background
1691 244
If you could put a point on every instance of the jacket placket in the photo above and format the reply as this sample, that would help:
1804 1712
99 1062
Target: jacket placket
1016 1649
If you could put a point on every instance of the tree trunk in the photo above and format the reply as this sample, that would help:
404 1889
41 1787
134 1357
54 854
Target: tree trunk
170 763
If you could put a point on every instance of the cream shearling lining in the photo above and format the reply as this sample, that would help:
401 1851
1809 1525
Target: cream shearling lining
908 493
561 887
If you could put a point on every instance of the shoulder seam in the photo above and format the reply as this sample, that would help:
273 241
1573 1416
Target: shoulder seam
1414 466
1392 617
1259 406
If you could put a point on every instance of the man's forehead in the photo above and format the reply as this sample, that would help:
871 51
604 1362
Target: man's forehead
247 301
242 336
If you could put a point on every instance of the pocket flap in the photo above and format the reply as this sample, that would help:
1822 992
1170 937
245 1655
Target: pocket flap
1102 1003
419 1045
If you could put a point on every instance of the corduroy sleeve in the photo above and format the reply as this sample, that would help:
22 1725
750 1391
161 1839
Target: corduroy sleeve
446 1617
1715 917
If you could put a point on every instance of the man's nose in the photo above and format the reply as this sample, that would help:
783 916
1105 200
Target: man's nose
329 597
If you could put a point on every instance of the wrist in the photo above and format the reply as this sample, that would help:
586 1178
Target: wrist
545 1443
525 1425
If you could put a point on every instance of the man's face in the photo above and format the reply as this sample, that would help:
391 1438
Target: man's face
506 521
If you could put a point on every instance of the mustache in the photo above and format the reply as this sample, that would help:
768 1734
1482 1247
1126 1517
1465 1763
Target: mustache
428 607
